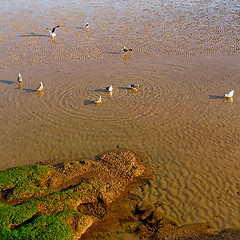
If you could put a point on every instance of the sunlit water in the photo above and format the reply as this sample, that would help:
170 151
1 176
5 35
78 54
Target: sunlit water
177 118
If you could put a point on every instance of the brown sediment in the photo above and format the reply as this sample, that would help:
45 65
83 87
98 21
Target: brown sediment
177 116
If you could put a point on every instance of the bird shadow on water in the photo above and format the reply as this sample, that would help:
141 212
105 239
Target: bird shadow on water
99 90
123 88
225 99
78 27
7 82
28 90
33 35
88 102
112 52
215 97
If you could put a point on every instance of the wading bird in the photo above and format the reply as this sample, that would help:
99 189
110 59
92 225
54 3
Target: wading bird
53 31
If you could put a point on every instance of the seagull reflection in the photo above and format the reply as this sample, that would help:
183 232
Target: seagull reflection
39 93
99 100
228 99
20 85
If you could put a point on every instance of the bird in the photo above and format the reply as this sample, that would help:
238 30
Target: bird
19 78
99 100
230 94
127 49
133 86
109 88
40 87
87 25
53 31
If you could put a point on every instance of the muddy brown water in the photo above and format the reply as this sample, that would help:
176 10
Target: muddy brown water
185 57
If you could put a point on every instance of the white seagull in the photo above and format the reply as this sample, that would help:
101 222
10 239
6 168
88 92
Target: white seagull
53 31
230 94
19 78
40 87
99 100
109 88
87 25
133 86
127 49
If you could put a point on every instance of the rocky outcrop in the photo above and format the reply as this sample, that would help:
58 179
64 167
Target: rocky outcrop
77 193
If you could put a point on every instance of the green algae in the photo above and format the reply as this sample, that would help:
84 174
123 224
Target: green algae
22 192
16 215
43 212
50 226
20 176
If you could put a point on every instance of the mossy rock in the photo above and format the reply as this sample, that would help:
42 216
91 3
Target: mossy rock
53 226
23 176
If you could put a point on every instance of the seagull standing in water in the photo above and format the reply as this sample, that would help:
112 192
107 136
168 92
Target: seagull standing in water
53 31
109 88
133 86
40 87
230 94
127 49
19 78
99 100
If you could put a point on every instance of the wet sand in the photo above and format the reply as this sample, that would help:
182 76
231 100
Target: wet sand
177 118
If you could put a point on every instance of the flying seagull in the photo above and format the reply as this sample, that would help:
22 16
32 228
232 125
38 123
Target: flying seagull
99 100
230 94
127 49
87 25
53 31
19 78
133 86
109 88
40 87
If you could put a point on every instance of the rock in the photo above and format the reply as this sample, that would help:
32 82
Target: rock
147 209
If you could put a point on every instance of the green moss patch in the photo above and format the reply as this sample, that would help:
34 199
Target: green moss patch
11 216
22 192
32 175
52 227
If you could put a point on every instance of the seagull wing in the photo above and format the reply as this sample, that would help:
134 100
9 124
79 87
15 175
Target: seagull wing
54 29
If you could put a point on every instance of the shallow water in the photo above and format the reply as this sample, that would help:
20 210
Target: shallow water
177 118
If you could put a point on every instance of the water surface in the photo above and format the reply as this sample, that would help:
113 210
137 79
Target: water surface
185 57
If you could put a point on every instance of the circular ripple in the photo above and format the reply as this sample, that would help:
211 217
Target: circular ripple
78 101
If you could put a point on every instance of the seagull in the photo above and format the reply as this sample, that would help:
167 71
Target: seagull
52 32
87 25
19 78
230 94
133 86
99 100
127 49
40 87
109 88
